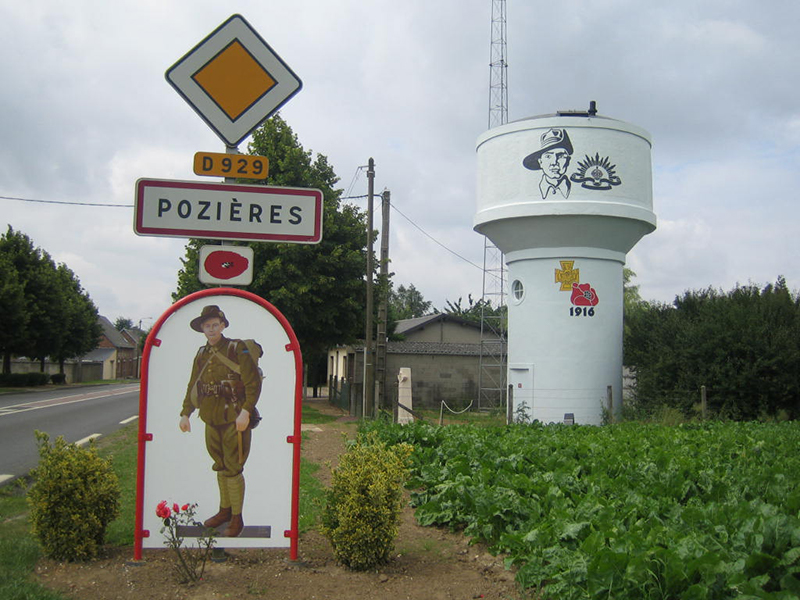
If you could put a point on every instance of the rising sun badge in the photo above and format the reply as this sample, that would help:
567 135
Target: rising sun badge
596 173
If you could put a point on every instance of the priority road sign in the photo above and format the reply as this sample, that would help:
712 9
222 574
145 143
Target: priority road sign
233 80
227 211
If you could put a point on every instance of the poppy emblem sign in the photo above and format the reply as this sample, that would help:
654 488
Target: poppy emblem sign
228 265
233 80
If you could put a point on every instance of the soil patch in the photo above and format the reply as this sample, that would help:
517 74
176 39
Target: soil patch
429 564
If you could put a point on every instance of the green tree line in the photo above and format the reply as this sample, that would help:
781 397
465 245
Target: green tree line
46 311
743 345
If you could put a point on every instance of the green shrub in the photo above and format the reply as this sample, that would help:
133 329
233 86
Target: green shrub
59 378
36 378
74 497
363 504
24 379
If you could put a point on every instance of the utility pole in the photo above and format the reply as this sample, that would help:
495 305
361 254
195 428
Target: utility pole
383 306
367 408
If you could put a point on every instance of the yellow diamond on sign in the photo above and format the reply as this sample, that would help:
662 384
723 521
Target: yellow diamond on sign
234 80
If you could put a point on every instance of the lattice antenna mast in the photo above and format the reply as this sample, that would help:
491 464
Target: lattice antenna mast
492 360
498 67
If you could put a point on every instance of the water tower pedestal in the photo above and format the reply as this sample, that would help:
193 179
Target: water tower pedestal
565 197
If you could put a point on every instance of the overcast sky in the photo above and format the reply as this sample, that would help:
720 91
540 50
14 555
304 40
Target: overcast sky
85 111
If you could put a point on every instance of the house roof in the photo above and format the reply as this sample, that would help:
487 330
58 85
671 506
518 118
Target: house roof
405 326
115 337
429 348
98 355
133 335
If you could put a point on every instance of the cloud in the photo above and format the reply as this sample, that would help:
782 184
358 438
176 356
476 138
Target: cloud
86 111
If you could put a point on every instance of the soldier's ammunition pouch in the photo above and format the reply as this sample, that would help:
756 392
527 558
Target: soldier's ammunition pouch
233 390
223 389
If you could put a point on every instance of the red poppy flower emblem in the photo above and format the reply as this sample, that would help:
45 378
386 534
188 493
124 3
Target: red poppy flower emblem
224 264
583 294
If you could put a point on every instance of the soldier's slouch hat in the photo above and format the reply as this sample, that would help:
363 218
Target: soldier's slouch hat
209 312
550 140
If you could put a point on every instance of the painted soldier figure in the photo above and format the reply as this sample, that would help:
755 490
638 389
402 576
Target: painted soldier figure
224 386
552 159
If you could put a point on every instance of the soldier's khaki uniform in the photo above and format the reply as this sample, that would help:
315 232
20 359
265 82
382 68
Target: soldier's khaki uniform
221 394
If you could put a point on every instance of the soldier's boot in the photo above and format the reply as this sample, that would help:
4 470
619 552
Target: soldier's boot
223 516
236 495
235 526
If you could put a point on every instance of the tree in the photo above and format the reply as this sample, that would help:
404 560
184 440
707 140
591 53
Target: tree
319 288
54 306
12 307
744 346
631 299
42 297
123 323
408 303
475 311
81 328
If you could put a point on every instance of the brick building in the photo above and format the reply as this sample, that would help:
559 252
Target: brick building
118 351
442 351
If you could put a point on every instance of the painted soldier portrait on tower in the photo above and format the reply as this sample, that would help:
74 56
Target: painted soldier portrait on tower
552 159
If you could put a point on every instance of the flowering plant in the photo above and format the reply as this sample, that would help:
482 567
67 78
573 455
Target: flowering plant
179 521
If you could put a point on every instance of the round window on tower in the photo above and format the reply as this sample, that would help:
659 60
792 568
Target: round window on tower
517 291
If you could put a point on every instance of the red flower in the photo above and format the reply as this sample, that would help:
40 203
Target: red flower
583 294
185 507
162 510
175 507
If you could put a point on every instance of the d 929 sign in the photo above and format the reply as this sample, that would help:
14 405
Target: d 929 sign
244 166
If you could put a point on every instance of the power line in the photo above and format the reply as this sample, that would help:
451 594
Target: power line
453 252
425 233
353 182
62 202
67 203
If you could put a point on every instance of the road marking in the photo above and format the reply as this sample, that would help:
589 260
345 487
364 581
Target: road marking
4 478
24 407
129 419
87 439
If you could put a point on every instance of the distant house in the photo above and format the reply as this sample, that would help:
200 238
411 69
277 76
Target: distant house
442 351
441 327
117 350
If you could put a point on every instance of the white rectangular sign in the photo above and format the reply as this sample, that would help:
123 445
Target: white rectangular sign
227 211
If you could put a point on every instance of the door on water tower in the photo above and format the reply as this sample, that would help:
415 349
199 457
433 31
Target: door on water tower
520 380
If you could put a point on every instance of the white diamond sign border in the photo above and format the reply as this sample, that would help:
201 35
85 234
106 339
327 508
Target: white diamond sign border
232 132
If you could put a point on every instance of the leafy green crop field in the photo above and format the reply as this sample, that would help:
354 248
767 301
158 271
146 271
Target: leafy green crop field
702 511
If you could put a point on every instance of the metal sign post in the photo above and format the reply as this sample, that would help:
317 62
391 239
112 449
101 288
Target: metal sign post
234 81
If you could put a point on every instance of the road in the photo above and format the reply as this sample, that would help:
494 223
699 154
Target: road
75 413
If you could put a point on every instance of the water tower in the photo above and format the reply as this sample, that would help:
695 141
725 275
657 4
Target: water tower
565 197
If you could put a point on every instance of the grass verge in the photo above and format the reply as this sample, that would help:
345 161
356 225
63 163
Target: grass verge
19 550
312 416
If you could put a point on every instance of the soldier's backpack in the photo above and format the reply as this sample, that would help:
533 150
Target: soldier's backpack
254 350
